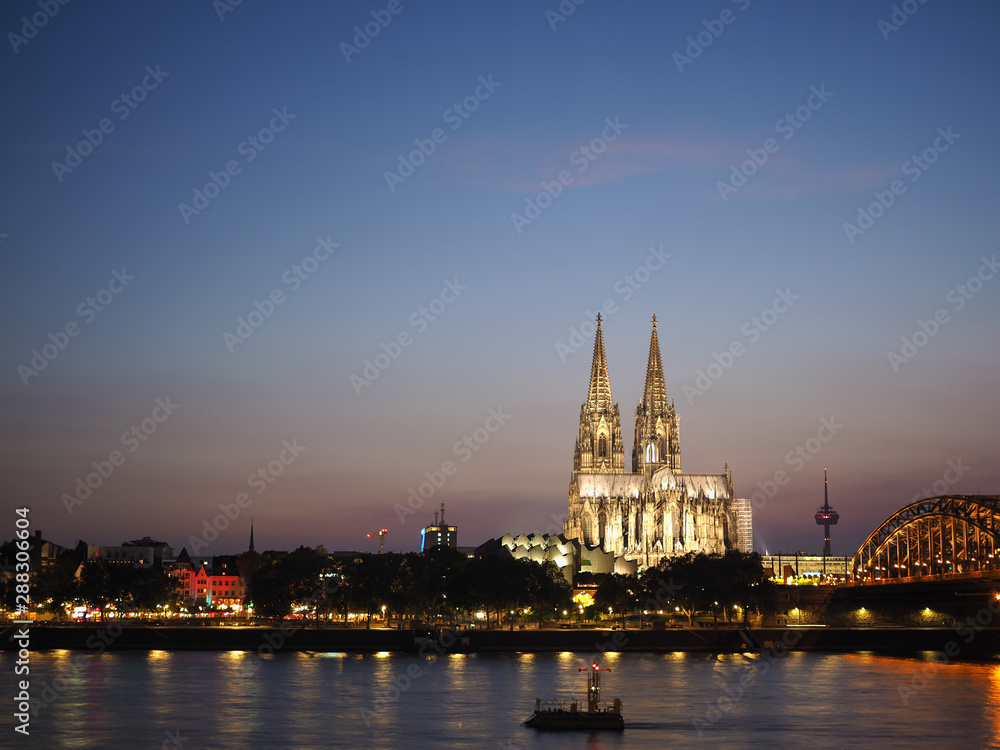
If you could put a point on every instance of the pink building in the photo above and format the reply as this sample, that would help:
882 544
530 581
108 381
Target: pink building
212 583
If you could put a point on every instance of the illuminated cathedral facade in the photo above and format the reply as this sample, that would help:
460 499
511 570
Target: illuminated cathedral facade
656 511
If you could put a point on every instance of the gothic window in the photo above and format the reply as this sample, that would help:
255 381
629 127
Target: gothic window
652 454
602 446
588 529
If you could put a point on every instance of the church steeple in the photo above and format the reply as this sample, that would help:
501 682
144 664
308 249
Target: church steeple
251 537
656 430
599 446
599 396
655 394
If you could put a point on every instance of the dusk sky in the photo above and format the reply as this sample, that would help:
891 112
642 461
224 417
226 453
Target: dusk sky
281 205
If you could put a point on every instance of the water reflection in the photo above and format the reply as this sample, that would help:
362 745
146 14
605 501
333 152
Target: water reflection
992 706
294 700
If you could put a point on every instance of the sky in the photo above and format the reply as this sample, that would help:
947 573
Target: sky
290 262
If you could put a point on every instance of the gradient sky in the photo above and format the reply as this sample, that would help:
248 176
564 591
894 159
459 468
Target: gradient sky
886 93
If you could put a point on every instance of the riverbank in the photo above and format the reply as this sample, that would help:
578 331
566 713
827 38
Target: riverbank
966 642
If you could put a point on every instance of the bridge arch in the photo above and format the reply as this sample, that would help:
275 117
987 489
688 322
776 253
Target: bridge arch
936 536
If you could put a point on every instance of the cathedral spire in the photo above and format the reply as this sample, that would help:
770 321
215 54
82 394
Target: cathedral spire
656 429
599 445
599 396
655 393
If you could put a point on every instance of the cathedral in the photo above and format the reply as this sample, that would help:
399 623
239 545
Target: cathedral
656 511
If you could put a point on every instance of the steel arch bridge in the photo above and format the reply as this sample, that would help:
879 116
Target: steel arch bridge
949 535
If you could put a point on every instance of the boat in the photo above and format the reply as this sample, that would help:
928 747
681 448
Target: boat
566 715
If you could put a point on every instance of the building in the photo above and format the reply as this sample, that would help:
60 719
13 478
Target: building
798 565
656 511
568 555
212 582
43 552
744 524
144 553
438 534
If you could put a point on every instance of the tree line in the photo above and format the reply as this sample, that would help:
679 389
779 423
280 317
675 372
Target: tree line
442 583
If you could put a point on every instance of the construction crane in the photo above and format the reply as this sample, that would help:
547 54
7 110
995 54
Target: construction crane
381 534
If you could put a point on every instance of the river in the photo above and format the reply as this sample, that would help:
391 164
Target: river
185 699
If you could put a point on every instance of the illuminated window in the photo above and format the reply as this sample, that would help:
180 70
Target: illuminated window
652 454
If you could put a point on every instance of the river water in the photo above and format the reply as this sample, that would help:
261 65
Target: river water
189 700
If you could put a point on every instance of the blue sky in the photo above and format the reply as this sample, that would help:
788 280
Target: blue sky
833 106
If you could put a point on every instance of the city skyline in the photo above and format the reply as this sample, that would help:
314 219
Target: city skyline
296 261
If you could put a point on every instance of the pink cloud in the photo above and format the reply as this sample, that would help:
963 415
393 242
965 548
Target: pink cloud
519 168
509 167
785 177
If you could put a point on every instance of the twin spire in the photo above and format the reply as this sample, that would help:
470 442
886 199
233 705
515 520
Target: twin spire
599 398
599 446
657 438
655 394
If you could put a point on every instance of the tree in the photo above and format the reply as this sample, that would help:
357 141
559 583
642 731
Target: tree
97 589
693 583
714 583
279 584
56 584
547 588
618 593
493 583
747 586
369 581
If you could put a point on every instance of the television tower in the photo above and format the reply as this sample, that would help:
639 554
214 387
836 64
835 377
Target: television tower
826 517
